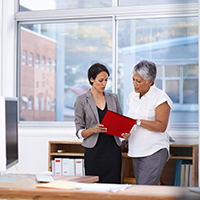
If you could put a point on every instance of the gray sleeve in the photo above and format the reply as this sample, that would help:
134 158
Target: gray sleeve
79 115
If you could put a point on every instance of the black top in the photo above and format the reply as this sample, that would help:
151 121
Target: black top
102 112
104 160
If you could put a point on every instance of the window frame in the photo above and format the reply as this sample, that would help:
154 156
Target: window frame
30 103
181 79
24 102
24 57
48 64
115 13
37 61
31 59
43 62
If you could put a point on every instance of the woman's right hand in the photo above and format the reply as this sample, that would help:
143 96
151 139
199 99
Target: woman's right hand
99 128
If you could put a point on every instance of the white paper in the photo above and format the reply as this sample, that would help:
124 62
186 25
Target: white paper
101 187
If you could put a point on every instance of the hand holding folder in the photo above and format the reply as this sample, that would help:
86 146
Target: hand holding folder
117 124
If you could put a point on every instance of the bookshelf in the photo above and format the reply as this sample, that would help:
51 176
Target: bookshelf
177 151
69 150
185 152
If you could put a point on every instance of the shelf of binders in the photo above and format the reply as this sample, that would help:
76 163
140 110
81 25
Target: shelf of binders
186 154
189 153
62 149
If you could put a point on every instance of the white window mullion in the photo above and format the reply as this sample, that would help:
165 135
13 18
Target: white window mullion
163 78
114 55
115 3
181 85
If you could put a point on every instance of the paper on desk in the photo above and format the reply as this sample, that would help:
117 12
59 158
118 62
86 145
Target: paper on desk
196 189
9 179
101 187
59 185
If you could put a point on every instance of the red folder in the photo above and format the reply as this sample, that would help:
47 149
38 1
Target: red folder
117 124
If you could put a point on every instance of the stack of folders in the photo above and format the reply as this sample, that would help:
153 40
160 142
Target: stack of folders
68 166
183 175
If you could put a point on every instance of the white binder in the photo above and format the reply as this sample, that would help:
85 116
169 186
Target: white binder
58 166
65 166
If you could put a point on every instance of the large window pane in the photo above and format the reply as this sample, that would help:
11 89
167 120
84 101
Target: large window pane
26 5
190 71
159 71
66 50
172 43
172 89
172 71
190 91
190 84
153 2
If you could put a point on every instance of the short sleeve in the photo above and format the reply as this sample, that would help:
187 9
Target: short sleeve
163 97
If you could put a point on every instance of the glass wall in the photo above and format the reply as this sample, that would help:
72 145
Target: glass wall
153 2
172 44
56 53
56 72
26 5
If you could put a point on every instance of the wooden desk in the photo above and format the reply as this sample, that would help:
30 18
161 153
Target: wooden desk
24 188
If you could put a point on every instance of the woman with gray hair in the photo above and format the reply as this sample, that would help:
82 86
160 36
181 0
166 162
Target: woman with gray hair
148 142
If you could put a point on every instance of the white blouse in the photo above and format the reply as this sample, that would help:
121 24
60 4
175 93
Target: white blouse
143 142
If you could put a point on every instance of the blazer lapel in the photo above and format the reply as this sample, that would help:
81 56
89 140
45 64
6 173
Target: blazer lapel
93 105
109 101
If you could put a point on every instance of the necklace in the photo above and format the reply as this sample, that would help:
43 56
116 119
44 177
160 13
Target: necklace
98 100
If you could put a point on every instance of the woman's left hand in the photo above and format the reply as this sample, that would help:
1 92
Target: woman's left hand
126 135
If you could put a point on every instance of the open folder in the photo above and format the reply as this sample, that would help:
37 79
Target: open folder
117 124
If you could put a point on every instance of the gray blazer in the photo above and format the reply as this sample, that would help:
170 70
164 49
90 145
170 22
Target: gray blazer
86 115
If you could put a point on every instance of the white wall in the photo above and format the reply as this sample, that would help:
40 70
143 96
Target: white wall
33 140
34 147
7 50
1 37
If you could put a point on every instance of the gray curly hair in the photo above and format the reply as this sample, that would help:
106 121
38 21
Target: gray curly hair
146 69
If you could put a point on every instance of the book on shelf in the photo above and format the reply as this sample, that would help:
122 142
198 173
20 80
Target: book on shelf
190 175
186 175
71 167
83 165
53 166
177 172
58 166
79 167
65 166
182 175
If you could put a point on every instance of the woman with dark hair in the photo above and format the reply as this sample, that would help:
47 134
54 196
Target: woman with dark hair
102 151
148 144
